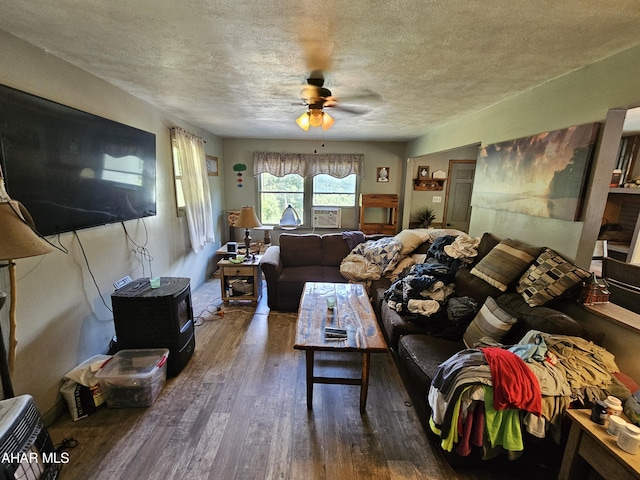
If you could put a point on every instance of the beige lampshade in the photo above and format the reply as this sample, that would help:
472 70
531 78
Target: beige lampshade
17 239
247 219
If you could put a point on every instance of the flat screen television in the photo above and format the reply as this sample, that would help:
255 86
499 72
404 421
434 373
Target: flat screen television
72 169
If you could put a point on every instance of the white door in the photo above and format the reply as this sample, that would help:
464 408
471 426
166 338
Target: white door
458 196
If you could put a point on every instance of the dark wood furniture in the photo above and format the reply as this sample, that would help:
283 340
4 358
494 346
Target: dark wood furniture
352 312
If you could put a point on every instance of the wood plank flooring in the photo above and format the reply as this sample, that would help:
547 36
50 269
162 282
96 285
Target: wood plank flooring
238 411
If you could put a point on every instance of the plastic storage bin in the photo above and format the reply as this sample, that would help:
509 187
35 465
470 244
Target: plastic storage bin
133 378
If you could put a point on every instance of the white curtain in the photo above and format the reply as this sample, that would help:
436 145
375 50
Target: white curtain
189 151
337 165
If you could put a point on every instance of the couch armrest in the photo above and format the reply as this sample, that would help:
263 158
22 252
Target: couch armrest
271 266
271 263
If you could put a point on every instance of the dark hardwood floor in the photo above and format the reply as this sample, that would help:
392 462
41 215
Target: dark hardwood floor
238 411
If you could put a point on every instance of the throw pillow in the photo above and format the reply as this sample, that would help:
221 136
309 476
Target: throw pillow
411 239
491 321
550 276
505 263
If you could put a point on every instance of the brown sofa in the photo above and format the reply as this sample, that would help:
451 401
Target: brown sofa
302 258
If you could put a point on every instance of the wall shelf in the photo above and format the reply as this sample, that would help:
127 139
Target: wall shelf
631 191
430 184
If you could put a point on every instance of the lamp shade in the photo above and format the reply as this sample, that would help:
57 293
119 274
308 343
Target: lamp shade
303 121
327 121
18 240
247 219
315 117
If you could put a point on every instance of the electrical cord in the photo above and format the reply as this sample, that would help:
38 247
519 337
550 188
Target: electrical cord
66 444
141 249
86 260
219 312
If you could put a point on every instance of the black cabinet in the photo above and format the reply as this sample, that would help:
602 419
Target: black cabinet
160 317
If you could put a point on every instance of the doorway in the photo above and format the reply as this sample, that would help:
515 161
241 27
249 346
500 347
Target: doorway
457 208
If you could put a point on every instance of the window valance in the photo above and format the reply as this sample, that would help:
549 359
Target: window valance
337 165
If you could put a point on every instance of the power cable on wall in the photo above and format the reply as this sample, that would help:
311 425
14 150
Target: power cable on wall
86 260
145 255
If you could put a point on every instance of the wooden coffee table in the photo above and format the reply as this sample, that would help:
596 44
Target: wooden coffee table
352 312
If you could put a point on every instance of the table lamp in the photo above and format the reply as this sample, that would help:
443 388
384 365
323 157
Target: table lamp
247 220
18 240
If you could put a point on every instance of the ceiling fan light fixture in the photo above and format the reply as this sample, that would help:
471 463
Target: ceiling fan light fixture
315 117
327 121
303 121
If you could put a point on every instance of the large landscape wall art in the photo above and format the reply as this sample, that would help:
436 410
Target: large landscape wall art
542 175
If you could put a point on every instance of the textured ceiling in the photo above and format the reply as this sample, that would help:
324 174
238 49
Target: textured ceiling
236 67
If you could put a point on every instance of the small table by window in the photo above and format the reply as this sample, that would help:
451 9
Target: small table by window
248 274
589 444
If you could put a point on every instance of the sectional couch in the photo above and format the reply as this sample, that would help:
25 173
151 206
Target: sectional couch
527 284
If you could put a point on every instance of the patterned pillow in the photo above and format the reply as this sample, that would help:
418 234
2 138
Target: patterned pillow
385 253
491 321
549 277
506 262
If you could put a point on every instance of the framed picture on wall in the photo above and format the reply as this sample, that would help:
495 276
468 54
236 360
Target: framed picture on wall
542 175
423 173
382 174
212 165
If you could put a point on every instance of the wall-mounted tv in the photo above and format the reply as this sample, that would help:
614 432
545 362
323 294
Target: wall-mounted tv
72 169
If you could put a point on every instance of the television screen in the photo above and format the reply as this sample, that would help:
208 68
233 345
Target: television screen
72 169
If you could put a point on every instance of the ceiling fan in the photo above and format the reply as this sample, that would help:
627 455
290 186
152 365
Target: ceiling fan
315 96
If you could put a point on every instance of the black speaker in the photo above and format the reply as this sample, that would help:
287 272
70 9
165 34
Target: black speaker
160 317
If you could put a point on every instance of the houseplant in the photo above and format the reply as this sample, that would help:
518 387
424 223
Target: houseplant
425 216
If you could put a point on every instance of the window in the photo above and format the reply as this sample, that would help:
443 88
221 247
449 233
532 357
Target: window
192 186
329 191
305 181
178 177
276 193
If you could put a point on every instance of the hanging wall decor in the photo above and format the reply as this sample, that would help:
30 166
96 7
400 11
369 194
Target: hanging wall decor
542 175
239 168
212 165
382 174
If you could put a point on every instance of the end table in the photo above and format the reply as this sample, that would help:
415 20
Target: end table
230 272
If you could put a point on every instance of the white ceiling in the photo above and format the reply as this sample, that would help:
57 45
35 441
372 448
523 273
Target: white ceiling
236 67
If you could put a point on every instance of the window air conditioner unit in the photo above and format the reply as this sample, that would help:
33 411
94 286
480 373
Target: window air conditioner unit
326 217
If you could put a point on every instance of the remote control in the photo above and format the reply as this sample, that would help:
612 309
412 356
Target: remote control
335 331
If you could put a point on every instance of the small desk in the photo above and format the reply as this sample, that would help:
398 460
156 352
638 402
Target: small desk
590 444
352 312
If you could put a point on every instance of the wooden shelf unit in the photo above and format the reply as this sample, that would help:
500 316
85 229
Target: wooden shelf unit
429 184
384 201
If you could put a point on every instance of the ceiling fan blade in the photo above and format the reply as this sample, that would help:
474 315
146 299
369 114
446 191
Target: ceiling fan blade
364 95
343 108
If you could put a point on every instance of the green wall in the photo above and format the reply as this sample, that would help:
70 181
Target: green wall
579 97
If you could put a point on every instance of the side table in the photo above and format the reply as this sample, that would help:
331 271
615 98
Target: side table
589 444
230 272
